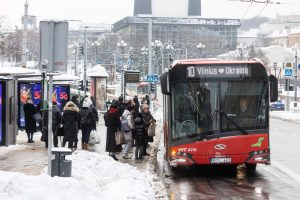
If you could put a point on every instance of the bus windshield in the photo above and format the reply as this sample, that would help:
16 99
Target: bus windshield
204 108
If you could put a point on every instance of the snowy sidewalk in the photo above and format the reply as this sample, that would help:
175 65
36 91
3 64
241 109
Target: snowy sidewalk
95 175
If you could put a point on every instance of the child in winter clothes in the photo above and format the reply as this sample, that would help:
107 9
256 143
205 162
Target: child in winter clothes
140 136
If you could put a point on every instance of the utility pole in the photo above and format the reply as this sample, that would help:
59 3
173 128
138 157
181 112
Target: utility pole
24 38
295 78
150 72
85 61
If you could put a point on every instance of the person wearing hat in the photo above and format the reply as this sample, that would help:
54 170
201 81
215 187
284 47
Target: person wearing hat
113 124
70 120
148 119
87 122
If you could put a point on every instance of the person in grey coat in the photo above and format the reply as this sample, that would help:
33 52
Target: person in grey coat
127 115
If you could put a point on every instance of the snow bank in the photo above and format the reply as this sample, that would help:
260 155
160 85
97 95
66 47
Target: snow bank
4 150
94 176
292 116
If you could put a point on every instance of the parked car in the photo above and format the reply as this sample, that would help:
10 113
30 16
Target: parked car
277 105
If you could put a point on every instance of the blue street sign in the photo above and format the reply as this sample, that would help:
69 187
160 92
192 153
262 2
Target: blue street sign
299 66
288 72
152 78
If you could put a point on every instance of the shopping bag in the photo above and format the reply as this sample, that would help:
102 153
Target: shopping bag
94 138
44 136
37 116
60 130
151 130
119 137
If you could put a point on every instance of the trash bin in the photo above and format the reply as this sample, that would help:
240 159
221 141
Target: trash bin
60 166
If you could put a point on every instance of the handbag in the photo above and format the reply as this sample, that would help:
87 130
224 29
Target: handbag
37 116
44 136
60 130
120 139
151 130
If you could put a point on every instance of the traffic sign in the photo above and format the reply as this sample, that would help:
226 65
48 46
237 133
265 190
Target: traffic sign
299 66
288 72
152 78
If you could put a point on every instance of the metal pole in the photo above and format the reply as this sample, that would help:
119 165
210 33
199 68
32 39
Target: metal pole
150 72
122 75
50 122
295 79
76 61
162 60
288 95
85 61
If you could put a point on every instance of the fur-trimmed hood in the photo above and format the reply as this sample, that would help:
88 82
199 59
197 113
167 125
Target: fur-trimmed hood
71 106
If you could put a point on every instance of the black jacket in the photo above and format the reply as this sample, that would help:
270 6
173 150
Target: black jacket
56 118
139 131
30 122
113 123
70 120
87 118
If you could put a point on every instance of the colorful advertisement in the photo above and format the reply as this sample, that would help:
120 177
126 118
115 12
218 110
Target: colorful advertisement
60 95
1 109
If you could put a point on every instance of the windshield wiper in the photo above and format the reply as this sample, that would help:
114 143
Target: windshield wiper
201 135
233 122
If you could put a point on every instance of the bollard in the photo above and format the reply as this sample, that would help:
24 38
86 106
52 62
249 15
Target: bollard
60 166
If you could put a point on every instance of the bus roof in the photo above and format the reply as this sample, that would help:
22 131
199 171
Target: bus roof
215 61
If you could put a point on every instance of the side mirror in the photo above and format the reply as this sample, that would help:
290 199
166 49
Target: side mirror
273 88
165 83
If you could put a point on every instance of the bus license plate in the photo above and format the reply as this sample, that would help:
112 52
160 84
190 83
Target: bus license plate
220 160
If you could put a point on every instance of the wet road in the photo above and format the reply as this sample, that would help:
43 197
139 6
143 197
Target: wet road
281 180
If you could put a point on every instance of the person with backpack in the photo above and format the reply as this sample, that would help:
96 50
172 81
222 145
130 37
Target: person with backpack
140 136
126 128
87 122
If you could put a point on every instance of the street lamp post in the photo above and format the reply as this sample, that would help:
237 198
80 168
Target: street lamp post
169 48
96 44
201 48
122 45
157 45
241 47
295 77
85 60
144 54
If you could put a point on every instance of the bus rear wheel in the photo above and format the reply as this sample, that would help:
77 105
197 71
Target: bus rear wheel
251 168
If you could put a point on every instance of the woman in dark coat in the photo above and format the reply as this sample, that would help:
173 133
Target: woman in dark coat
30 122
136 107
140 136
148 119
70 120
113 124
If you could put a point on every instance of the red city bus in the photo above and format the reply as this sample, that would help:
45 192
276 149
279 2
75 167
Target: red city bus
217 112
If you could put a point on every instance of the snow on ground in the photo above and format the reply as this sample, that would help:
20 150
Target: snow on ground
94 176
4 150
292 116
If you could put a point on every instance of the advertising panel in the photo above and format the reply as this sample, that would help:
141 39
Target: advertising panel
1 115
60 95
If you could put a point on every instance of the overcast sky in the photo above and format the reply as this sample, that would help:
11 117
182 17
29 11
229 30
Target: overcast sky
109 11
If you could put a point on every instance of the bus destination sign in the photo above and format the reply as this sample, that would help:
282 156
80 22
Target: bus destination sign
234 71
